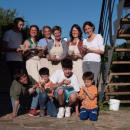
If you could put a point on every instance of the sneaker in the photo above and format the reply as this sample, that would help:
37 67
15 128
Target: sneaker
61 112
67 111
42 112
33 112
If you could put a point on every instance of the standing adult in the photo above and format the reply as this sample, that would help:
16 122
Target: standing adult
46 31
94 48
11 42
33 60
58 48
75 44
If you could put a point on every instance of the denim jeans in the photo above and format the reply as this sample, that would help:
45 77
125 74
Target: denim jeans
34 100
45 102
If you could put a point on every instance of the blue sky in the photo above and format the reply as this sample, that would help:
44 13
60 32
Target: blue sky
63 13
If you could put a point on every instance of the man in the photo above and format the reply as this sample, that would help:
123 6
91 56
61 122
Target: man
66 86
11 43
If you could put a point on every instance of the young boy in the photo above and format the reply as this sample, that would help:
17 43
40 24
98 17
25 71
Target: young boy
46 94
19 88
66 86
88 96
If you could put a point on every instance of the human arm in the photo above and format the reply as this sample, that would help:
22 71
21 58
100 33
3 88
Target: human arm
90 95
54 86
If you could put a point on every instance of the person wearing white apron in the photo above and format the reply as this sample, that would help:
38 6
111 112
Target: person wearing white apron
57 50
33 60
46 31
75 44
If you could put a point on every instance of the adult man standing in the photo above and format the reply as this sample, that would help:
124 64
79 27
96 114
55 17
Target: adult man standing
11 42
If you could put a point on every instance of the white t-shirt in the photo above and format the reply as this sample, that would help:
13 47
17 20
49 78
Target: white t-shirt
14 41
58 76
95 44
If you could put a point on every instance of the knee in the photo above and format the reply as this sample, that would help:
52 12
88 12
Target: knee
93 118
43 95
73 97
60 91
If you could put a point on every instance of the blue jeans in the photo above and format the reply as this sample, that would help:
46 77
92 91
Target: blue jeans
91 113
45 102
34 102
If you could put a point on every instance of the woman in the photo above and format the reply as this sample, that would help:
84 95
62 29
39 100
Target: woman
57 50
33 60
46 31
92 50
75 44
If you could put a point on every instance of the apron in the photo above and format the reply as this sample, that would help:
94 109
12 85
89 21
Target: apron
54 65
33 64
77 64
44 61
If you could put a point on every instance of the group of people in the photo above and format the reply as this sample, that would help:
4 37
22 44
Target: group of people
55 78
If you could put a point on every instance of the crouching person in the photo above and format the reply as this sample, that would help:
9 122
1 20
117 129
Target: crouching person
46 96
66 86
88 96
21 86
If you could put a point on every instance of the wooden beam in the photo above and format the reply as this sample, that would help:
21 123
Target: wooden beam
121 62
120 50
121 73
117 93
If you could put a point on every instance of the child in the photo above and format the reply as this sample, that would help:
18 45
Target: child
46 94
88 96
66 86
20 87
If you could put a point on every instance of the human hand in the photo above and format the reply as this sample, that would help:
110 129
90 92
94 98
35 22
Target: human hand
77 113
9 116
31 90
67 82
86 103
83 96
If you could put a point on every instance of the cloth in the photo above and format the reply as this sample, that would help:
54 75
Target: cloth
14 41
33 67
47 87
59 76
34 101
17 89
92 114
43 42
91 103
80 44
45 102
58 51
93 67
63 44
43 60
77 64
66 91
95 44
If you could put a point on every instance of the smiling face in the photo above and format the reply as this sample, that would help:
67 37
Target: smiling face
23 79
47 33
33 32
89 30
67 71
57 34
75 32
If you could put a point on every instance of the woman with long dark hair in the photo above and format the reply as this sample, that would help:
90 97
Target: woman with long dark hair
75 45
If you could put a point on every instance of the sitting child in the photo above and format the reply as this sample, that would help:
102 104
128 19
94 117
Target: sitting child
66 87
88 96
19 88
46 94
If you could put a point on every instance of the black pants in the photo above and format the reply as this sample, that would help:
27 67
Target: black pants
14 65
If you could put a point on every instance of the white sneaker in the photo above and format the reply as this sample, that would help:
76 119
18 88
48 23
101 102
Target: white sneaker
61 112
67 111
